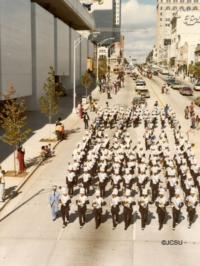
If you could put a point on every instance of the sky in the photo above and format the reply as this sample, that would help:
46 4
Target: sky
138 26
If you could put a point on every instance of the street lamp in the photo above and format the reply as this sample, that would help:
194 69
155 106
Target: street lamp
98 45
76 44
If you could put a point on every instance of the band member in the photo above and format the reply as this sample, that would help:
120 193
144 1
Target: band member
161 203
82 202
97 206
177 204
128 208
115 203
144 208
70 181
65 206
102 183
191 203
86 182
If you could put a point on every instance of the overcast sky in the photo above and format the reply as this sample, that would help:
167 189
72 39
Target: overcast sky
139 18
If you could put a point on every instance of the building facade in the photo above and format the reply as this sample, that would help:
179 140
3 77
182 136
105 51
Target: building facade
184 39
166 9
35 35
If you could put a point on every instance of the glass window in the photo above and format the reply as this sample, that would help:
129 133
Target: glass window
196 1
188 8
188 1
168 8
174 8
195 8
182 1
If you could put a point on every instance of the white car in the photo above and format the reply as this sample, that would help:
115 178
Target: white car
197 87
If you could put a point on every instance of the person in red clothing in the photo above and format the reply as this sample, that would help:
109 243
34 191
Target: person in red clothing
20 158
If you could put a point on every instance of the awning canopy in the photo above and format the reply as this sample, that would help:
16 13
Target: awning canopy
69 11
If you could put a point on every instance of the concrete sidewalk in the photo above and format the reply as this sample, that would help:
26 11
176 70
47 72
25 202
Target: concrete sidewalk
32 152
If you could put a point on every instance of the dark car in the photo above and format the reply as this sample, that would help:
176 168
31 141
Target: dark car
155 73
170 82
187 91
138 100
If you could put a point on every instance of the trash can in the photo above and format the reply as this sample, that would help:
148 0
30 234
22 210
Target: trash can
2 192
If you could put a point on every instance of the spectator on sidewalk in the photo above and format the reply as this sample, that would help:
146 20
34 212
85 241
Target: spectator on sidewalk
191 108
193 121
187 112
2 184
80 110
86 119
20 158
197 122
60 130
54 199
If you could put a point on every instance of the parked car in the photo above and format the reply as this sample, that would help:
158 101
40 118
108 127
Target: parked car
170 82
143 92
140 85
176 85
197 86
187 91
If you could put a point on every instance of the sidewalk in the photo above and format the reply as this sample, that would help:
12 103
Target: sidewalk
32 151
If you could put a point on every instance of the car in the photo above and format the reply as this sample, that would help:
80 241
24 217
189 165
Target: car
155 73
197 87
143 92
140 86
170 82
138 100
176 85
186 90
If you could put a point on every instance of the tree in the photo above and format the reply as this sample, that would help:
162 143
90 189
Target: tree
49 100
103 68
13 120
86 81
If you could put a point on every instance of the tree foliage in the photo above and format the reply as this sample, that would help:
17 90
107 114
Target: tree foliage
13 119
103 68
86 80
49 101
194 70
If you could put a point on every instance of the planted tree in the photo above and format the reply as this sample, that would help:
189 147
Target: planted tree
86 81
49 101
13 120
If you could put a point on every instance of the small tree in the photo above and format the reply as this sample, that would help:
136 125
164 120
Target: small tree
13 120
49 100
86 81
103 68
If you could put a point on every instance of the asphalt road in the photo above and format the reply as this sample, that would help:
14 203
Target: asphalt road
28 237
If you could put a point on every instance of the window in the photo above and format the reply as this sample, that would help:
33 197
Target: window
174 8
168 1
181 8
161 8
175 1
182 1
188 8
160 13
188 1
160 19
168 8
167 19
196 1
195 8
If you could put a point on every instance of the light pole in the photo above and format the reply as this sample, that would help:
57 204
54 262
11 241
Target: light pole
76 44
98 45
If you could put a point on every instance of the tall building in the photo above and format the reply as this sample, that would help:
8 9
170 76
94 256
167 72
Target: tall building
37 34
166 9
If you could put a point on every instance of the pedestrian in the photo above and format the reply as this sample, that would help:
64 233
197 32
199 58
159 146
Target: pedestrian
82 202
177 204
187 111
115 203
97 206
80 110
161 203
128 208
193 121
191 203
144 208
197 122
86 119
2 184
65 206
20 158
54 199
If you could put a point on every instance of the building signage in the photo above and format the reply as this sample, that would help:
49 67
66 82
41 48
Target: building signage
191 20
117 12
103 51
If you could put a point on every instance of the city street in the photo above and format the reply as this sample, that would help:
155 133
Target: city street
29 237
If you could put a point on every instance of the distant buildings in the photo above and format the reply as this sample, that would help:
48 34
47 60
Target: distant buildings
166 10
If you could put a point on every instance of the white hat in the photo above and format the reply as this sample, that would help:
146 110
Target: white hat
144 191
161 191
193 190
82 190
127 170
128 192
97 193
115 192
64 190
